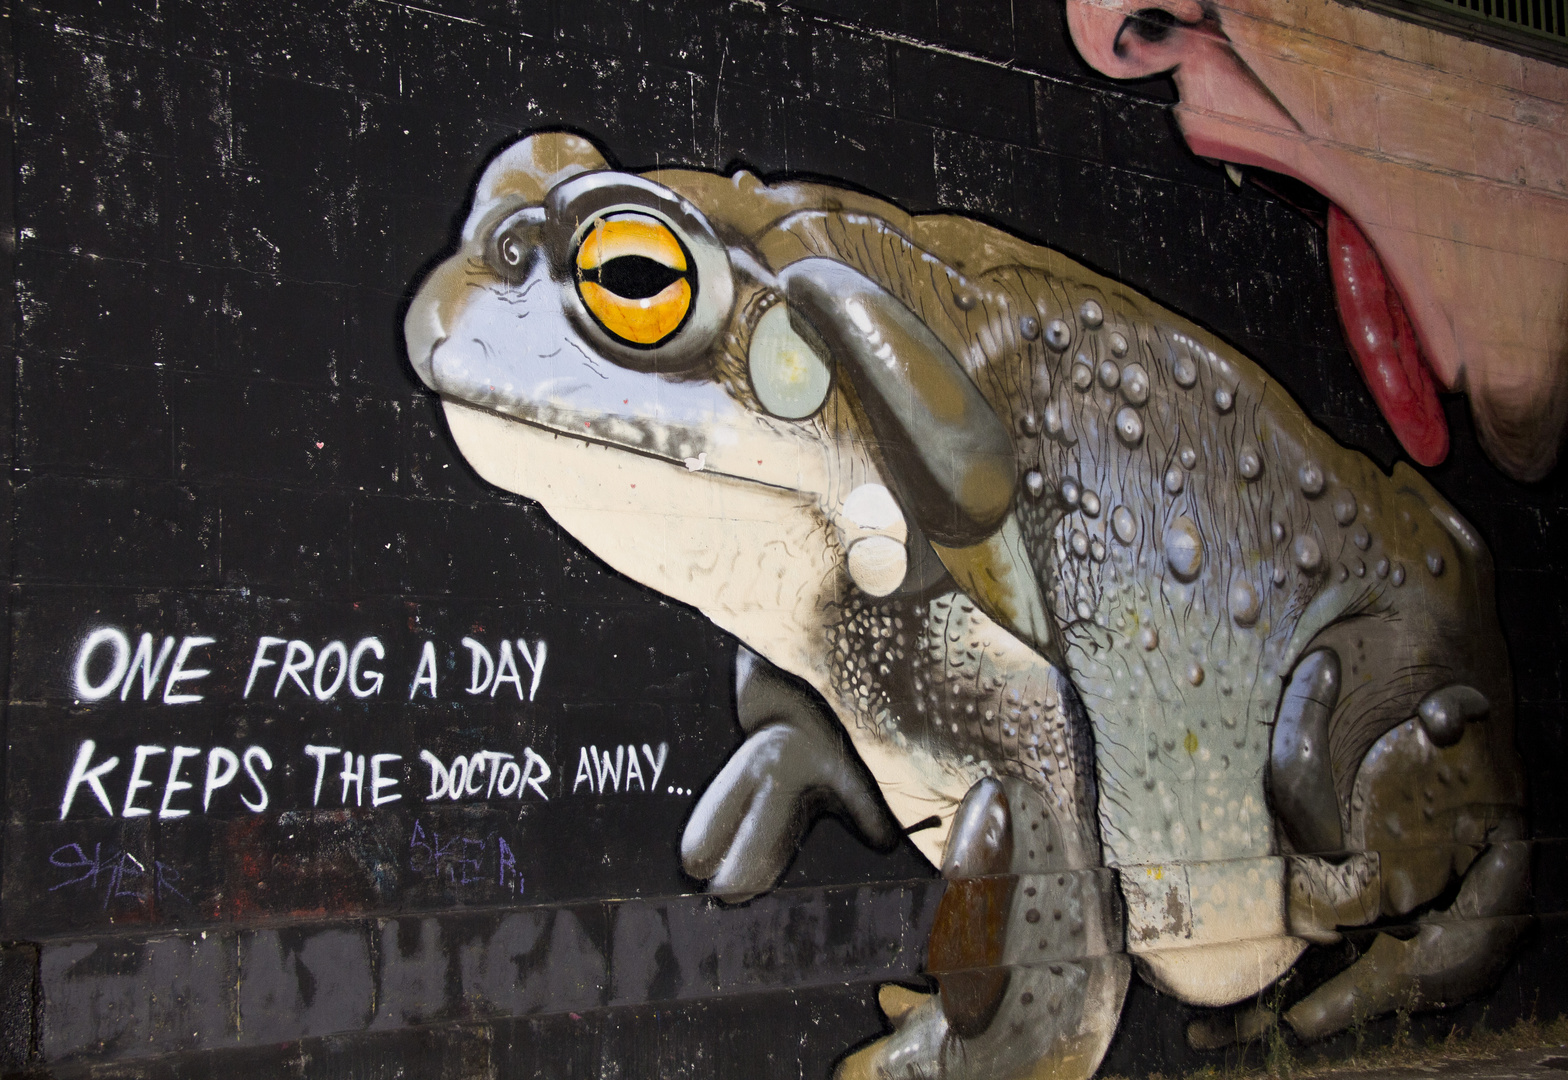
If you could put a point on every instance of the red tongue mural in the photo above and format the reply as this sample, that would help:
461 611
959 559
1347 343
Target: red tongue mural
1384 343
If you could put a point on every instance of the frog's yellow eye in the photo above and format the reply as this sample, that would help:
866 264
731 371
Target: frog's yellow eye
634 276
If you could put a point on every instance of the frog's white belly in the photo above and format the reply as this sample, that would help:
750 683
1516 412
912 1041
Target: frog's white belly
1181 753
1209 933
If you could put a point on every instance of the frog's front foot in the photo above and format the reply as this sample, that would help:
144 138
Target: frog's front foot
794 766
1025 951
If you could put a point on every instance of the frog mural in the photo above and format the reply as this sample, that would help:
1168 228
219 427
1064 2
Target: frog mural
1164 677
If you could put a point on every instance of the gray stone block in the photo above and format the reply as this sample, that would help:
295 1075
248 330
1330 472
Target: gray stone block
298 983
113 998
539 960
412 974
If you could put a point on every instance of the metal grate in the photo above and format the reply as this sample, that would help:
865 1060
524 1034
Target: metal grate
1546 19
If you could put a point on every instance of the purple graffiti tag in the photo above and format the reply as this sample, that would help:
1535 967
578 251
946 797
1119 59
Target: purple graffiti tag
462 860
508 864
164 877
119 873
90 874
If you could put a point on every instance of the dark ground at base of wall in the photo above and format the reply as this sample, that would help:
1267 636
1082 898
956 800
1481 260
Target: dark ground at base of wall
1534 1063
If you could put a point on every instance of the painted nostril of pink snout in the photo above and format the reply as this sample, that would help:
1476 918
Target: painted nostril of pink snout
422 333
1130 39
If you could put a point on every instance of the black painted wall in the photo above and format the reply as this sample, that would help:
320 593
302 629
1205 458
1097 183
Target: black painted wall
220 210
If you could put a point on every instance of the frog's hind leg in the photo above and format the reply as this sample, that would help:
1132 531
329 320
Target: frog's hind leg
1025 951
1435 797
1454 952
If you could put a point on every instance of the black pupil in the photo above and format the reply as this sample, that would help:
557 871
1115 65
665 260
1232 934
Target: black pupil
634 277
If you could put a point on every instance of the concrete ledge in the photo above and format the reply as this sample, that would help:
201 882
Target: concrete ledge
126 997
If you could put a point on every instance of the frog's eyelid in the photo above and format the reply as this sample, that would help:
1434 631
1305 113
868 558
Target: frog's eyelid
614 235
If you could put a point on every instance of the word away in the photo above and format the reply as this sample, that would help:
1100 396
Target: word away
603 771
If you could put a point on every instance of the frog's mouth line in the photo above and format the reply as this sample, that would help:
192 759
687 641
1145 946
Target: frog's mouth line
587 438
1375 320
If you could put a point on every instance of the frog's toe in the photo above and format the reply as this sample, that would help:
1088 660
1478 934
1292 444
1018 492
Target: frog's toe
898 1002
1454 953
915 1051
1301 781
1445 712
1054 1019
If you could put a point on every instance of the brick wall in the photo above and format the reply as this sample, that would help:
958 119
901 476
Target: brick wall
220 211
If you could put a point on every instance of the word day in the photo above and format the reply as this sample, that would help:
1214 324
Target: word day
108 666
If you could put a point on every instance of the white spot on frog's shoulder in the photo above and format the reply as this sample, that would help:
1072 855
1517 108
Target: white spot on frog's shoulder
1310 477
1344 506
1308 555
877 564
1135 384
1123 524
1129 427
1183 367
872 506
1249 462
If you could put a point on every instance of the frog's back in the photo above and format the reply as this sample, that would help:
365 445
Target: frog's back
1192 533
1196 534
